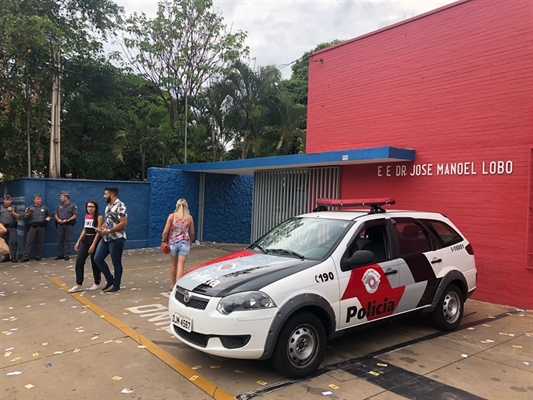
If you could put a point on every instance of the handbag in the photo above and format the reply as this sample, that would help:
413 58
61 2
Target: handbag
165 248
4 248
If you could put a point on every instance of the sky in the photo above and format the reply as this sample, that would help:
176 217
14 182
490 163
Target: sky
281 31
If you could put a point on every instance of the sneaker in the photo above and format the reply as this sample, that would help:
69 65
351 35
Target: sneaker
114 289
95 286
75 288
67 258
37 258
14 260
25 260
59 258
107 286
6 259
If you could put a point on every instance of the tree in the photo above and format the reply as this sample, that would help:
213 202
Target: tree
297 84
99 102
144 133
286 133
210 110
181 49
29 29
250 96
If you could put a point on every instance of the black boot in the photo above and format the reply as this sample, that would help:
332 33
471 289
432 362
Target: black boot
6 259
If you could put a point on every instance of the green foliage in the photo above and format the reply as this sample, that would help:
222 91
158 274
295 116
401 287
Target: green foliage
184 68
144 134
259 112
179 50
297 84
105 100
99 101
28 31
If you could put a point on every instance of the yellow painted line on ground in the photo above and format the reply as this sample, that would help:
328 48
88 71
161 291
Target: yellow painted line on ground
201 382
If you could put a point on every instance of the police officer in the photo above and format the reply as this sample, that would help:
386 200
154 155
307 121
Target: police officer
8 217
65 214
38 216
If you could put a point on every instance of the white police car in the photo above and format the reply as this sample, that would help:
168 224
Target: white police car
319 275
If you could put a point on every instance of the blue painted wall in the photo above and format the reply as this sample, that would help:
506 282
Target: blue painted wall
227 203
228 208
136 196
169 185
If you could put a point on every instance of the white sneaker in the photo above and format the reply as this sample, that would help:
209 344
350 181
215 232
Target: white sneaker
75 289
94 287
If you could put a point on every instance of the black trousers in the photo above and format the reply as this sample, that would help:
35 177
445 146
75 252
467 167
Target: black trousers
35 233
64 235
11 239
83 253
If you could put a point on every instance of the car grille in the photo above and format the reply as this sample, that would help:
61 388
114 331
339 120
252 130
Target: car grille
198 339
194 302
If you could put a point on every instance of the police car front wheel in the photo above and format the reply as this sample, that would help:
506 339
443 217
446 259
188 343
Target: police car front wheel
300 347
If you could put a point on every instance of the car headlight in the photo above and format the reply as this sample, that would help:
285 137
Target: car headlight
244 301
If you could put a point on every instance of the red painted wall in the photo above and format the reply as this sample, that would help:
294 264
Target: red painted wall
456 85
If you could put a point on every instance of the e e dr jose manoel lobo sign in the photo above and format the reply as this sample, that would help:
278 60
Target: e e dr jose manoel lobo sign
498 167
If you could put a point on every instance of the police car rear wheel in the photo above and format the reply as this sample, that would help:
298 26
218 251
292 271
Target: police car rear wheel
449 312
300 347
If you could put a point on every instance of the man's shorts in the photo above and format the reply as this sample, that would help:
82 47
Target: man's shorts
181 248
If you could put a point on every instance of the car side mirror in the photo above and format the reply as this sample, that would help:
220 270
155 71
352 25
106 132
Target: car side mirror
360 257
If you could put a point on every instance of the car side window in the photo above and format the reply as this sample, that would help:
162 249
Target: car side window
444 232
373 237
412 237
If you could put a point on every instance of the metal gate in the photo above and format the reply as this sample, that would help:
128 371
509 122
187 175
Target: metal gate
282 194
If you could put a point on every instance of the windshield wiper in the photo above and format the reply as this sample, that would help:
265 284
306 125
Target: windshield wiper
291 252
259 247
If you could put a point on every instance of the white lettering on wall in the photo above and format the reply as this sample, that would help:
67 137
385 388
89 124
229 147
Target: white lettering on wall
497 167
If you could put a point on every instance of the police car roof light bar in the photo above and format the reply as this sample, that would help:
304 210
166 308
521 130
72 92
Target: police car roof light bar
375 204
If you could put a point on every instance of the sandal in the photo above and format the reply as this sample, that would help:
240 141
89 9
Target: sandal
76 288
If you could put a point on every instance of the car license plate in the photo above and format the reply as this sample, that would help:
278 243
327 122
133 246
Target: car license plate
183 321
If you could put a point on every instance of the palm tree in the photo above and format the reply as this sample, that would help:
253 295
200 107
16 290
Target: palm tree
250 96
146 133
210 112
286 131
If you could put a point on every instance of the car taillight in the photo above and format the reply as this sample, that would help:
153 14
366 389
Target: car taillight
470 249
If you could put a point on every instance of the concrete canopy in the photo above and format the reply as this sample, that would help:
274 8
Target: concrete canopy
372 155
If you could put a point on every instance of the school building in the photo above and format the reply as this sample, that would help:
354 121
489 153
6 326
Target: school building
456 86
435 112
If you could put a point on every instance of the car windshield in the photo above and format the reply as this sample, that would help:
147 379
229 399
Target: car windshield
311 238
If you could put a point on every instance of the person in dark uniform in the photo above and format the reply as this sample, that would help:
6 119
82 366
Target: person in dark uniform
38 216
65 215
86 245
8 217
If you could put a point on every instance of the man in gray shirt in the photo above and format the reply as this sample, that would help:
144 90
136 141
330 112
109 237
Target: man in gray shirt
66 213
38 216
8 217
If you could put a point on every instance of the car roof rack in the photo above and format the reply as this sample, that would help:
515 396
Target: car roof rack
375 204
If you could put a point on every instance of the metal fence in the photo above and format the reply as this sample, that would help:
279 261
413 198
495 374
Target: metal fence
282 194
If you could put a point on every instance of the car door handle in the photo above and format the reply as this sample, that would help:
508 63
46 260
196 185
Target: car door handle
436 261
391 271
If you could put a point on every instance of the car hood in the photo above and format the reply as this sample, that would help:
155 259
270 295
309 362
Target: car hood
240 272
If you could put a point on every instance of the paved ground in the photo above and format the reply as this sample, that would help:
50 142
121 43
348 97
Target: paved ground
97 346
